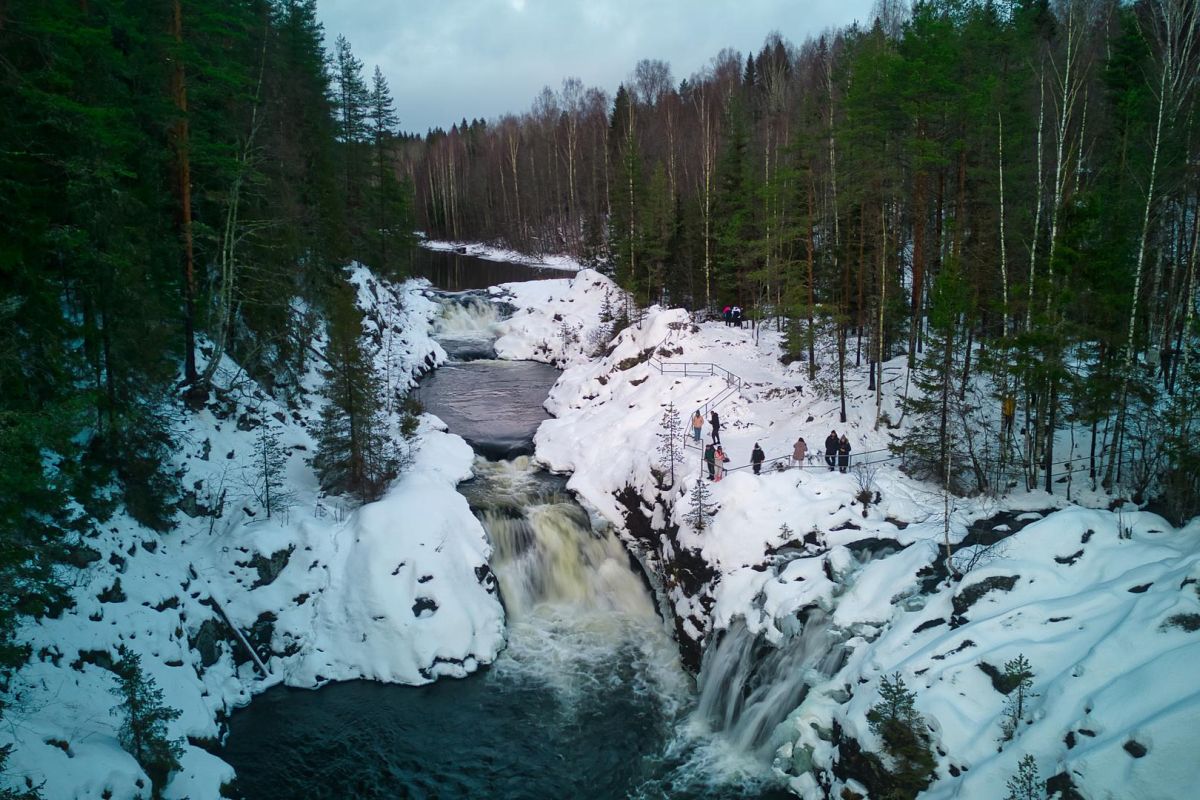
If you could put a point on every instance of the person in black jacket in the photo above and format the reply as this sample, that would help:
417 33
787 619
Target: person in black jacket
710 459
757 456
843 453
831 448
715 421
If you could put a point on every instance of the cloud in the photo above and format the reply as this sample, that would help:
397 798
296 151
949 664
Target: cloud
450 59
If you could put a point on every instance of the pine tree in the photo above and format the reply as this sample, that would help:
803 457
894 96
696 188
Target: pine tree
699 509
931 444
353 106
144 719
390 206
895 720
670 440
1026 784
269 476
1018 678
353 452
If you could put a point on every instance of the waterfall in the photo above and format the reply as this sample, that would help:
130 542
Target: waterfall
748 686
579 617
467 327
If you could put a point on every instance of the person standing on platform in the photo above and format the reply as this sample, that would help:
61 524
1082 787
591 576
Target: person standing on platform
831 448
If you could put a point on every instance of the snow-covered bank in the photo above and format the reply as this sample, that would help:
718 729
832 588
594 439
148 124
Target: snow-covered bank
492 253
1104 605
398 590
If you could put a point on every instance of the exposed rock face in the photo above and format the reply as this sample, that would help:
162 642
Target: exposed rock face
689 578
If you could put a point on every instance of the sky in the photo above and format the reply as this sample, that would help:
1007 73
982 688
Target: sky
450 59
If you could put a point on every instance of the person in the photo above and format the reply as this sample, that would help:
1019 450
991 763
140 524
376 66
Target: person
756 458
728 314
720 460
715 421
799 452
831 448
710 458
843 453
697 425
737 316
1008 410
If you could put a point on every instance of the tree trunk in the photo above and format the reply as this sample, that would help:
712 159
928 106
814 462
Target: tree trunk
918 263
183 179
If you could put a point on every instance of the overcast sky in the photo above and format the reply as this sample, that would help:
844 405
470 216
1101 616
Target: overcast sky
449 59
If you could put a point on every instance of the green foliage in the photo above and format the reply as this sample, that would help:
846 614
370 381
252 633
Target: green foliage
1026 784
699 508
895 720
144 720
354 452
269 472
1018 678
670 440
935 414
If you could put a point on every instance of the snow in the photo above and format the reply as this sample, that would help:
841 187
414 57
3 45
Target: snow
1089 608
352 601
493 253
1106 664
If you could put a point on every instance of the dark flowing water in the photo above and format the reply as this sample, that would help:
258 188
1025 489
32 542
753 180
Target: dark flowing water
588 700
495 405
455 272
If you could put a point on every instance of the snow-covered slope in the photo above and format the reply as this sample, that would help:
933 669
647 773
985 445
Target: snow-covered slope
397 590
1104 605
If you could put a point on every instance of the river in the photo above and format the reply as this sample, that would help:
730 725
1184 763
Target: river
588 700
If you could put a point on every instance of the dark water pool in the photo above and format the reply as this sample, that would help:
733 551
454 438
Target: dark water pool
495 405
455 272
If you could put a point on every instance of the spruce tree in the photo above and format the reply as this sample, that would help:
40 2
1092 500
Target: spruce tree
144 719
269 471
1018 679
895 720
670 440
1026 784
934 413
699 509
353 452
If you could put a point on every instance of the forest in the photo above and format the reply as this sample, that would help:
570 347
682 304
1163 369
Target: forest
998 188
1005 192
177 181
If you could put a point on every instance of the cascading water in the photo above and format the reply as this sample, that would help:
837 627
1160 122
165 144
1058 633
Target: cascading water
587 700
467 327
748 686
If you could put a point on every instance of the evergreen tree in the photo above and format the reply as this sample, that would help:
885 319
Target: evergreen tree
1026 784
670 440
932 444
354 453
895 720
1018 679
699 508
270 471
144 720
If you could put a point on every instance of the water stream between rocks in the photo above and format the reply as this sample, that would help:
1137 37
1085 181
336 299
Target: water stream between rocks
588 700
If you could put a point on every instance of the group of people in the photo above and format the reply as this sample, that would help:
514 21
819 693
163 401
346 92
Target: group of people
837 449
837 452
733 316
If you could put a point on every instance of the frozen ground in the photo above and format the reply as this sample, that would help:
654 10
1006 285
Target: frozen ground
1099 602
397 590
1102 618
